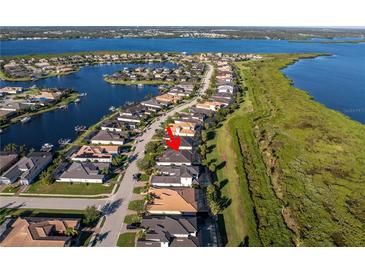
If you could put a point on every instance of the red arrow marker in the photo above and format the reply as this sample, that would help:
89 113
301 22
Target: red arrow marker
173 143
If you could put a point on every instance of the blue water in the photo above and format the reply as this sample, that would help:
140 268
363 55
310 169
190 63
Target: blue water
49 127
337 81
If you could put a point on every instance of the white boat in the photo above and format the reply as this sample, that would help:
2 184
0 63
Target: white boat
25 120
77 100
112 108
140 85
64 142
47 147
83 94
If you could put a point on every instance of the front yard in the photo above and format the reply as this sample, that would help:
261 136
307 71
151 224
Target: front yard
70 189
127 239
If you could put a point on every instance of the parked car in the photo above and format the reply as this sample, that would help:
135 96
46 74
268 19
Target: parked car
133 225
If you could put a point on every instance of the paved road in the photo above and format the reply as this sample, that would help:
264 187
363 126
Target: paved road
115 208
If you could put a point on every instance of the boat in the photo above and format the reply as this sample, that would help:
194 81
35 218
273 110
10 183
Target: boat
63 107
112 108
77 100
140 85
83 94
63 142
80 128
47 147
25 119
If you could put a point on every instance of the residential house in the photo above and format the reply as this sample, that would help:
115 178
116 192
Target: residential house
11 90
152 104
113 125
182 128
182 176
101 154
105 137
7 159
27 168
167 99
169 231
186 142
214 106
177 158
84 172
176 201
226 89
38 232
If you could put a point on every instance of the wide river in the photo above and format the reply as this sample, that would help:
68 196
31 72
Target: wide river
337 81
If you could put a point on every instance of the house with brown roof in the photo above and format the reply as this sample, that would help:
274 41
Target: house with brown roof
101 154
183 128
168 99
175 201
208 105
38 232
177 158
7 159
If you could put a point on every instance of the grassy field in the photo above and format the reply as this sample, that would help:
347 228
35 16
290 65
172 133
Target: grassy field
70 189
293 169
132 218
126 239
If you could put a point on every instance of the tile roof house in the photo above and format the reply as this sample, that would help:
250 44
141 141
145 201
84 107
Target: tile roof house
167 231
7 159
168 99
176 201
27 168
183 128
225 89
177 158
39 232
84 172
152 104
113 125
101 154
186 142
183 176
214 106
106 137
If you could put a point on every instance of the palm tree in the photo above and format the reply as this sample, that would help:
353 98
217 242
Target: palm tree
71 231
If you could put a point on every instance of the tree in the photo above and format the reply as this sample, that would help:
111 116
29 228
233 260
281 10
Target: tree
105 171
91 215
213 167
203 149
70 231
10 147
204 136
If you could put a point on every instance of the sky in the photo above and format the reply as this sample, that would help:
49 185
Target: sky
183 13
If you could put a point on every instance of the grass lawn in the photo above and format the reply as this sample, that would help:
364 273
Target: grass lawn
137 205
127 239
294 168
70 189
11 189
132 218
138 189
143 177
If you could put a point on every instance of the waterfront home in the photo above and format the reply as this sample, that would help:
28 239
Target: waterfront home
171 176
37 232
177 158
6 114
167 99
105 137
174 201
84 172
7 159
47 95
11 90
18 105
152 104
169 231
27 168
214 106
113 125
101 154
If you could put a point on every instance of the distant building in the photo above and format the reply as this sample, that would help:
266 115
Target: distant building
105 137
84 172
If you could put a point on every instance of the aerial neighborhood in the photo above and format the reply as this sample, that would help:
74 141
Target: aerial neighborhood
173 195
